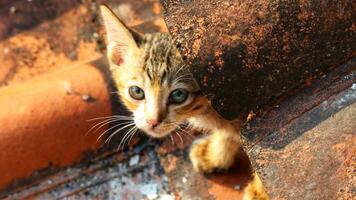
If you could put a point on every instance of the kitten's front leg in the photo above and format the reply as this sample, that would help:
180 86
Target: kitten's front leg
218 150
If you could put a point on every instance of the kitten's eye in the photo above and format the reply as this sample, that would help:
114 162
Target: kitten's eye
136 93
178 96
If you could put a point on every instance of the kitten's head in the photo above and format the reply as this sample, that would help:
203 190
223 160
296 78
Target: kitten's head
151 77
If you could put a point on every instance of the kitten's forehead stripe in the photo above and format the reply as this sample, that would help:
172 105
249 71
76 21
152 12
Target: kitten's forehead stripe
164 76
160 57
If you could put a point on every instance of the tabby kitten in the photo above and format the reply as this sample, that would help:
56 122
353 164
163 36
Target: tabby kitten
156 85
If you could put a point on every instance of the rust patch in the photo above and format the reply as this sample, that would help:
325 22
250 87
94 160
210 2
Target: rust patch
244 54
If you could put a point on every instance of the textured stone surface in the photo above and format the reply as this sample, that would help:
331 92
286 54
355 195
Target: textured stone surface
245 53
304 147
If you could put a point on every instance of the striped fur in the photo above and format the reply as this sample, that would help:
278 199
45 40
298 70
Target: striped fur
153 63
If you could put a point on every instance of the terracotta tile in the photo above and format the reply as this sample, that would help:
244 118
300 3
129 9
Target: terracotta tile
44 120
44 100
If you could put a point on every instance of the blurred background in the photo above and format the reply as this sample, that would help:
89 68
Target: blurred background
39 36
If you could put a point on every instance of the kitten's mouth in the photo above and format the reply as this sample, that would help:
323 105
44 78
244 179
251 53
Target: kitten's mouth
159 132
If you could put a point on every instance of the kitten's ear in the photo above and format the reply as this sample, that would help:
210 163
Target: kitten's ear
121 40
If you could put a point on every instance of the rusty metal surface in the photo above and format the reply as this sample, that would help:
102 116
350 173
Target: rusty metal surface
305 146
245 53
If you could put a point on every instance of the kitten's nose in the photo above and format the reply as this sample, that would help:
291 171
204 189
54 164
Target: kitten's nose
152 123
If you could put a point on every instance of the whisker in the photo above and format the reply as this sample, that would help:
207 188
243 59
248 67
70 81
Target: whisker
118 130
123 123
124 138
180 137
170 123
185 76
112 117
132 135
172 139
187 135
179 127
190 126
101 124
182 67
182 79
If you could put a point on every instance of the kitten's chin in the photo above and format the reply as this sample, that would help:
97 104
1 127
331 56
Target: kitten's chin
158 133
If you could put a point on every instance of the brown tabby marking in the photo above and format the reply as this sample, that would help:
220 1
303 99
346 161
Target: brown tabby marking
152 64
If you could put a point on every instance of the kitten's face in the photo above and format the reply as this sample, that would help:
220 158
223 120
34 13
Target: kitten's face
153 82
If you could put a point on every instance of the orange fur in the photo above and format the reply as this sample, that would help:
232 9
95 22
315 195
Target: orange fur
255 190
218 150
156 67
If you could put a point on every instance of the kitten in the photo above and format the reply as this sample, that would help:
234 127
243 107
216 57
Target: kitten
156 86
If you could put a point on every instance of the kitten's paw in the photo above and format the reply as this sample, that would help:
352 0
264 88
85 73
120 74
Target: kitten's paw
198 155
255 190
207 155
